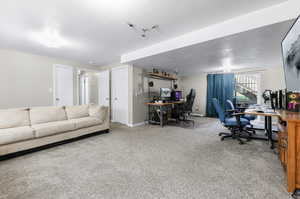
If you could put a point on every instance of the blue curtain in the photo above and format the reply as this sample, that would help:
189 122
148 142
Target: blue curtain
220 86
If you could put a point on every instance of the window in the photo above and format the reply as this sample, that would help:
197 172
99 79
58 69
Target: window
246 88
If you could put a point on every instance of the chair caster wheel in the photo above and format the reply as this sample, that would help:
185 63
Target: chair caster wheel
222 139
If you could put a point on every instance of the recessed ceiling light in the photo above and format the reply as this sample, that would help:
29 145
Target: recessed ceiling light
50 37
227 66
92 63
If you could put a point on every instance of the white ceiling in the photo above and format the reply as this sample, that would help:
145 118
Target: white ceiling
97 31
252 49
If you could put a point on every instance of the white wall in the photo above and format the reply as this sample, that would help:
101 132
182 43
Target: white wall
199 83
27 79
273 78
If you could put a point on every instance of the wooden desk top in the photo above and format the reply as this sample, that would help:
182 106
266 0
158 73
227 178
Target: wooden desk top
282 114
164 104
275 114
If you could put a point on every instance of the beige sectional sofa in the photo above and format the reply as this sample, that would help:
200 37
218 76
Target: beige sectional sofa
27 128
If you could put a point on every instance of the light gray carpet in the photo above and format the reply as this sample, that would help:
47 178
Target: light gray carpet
148 162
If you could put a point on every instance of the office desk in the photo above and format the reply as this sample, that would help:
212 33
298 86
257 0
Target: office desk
268 123
289 147
288 143
161 107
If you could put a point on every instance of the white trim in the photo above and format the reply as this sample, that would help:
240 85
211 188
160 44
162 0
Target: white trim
137 124
119 67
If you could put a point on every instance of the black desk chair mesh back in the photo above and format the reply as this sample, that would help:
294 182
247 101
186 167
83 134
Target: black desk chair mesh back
190 100
187 108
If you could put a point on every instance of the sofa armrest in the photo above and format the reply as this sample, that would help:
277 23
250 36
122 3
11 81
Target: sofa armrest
101 112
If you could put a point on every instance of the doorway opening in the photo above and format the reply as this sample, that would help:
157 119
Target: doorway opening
83 80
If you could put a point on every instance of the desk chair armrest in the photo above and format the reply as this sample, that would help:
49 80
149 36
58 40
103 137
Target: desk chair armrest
238 117
231 110
238 114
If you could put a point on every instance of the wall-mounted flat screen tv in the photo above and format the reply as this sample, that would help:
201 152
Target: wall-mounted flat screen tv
291 57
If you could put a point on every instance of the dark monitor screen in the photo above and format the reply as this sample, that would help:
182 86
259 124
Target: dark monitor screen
165 92
178 95
291 57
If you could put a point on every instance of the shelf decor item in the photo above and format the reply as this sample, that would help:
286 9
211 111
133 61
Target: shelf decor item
293 101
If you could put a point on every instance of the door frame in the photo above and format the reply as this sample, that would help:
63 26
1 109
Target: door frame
54 81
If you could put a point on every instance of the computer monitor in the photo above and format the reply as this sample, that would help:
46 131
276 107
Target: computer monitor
165 93
176 95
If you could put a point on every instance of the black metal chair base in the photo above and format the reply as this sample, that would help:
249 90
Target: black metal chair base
188 121
296 194
238 135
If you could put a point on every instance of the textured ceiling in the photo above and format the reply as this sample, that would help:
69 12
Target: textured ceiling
97 31
252 49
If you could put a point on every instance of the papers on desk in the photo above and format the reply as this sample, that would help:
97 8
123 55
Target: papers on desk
269 111
260 109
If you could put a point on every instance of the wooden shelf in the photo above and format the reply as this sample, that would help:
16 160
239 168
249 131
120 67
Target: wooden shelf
159 76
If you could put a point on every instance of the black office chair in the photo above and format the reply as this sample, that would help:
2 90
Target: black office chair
187 108
233 122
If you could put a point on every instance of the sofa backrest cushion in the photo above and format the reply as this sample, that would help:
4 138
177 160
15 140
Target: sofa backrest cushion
11 118
74 112
41 115
99 112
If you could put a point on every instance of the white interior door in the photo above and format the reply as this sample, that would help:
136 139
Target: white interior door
103 88
64 85
120 95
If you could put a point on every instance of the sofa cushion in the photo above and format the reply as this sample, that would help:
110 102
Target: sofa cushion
86 122
47 114
12 118
99 112
12 135
74 112
47 129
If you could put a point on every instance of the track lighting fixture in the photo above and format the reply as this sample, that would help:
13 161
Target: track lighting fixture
142 31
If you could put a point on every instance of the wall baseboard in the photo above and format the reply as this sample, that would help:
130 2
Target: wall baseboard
137 124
